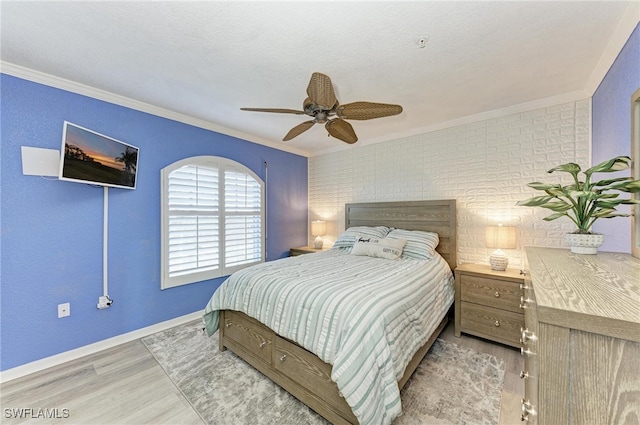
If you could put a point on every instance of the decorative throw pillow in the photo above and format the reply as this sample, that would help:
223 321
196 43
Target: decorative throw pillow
390 249
420 245
348 238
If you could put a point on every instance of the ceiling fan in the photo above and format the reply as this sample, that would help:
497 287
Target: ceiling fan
321 104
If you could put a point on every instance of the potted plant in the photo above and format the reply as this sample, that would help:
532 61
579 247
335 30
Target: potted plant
584 202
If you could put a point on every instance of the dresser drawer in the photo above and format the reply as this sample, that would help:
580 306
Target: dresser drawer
496 324
493 292
296 363
243 330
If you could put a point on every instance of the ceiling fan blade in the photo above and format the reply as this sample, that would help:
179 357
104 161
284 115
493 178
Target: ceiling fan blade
320 91
281 111
298 130
340 129
367 110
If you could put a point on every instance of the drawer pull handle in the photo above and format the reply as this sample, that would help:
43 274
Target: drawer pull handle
283 357
527 335
524 303
526 352
497 323
229 324
527 410
497 294
523 287
523 374
262 344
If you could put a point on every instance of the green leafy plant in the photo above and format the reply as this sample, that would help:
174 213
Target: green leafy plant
583 201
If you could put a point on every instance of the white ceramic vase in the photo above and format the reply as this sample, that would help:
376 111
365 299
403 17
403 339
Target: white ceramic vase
584 243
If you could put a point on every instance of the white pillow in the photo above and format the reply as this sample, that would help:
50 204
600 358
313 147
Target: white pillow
420 245
390 249
348 238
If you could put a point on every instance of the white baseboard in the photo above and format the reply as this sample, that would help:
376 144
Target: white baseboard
86 350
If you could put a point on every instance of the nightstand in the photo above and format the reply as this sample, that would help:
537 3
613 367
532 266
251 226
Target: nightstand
304 250
487 303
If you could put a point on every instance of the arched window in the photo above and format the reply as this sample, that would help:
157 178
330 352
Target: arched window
212 219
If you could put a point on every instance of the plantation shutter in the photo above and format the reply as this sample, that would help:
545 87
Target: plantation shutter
243 219
213 219
194 217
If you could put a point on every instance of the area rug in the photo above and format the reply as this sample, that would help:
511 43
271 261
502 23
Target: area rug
452 384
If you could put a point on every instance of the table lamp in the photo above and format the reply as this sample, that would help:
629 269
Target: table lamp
318 228
500 237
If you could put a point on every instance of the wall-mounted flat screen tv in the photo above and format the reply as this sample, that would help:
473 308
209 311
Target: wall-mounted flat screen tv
93 158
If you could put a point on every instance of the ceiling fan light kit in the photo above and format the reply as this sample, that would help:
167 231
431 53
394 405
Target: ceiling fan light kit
322 104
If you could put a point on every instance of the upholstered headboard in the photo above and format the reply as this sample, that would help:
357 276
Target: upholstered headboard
434 216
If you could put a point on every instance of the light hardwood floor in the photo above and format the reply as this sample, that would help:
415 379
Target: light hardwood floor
125 385
513 388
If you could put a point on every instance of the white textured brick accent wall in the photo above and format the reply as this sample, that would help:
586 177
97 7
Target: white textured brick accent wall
484 165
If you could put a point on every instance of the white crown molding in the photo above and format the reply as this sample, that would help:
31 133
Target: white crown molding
620 36
95 93
82 89
482 116
86 350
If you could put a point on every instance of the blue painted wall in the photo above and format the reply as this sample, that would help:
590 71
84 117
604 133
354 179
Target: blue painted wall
51 248
611 130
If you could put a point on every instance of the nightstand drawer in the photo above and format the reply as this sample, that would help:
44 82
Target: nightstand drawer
492 292
499 325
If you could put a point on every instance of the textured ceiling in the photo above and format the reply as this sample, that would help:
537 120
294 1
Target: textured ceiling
206 60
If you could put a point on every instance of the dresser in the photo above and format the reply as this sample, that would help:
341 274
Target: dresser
487 303
581 339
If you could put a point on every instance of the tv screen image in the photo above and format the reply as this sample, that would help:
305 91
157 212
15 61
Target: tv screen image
93 158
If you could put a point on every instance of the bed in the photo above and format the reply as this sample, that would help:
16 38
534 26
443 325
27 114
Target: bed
284 351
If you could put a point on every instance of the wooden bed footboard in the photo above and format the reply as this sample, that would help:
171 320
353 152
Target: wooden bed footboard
295 369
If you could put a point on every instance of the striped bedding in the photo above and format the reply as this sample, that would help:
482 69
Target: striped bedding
365 316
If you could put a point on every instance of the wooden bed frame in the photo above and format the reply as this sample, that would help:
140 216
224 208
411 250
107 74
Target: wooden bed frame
299 371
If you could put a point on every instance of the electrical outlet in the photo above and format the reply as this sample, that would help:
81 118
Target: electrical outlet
64 310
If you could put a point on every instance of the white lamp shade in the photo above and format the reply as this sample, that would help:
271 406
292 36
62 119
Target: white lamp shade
500 237
318 228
